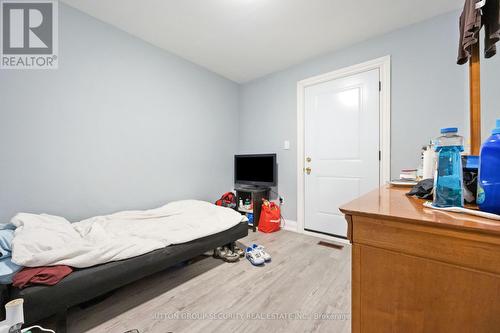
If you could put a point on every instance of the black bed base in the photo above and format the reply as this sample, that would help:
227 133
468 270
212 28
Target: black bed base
82 285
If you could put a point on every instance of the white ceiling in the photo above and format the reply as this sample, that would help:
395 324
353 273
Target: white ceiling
246 39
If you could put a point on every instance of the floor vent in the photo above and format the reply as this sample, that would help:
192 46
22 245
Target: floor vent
331 245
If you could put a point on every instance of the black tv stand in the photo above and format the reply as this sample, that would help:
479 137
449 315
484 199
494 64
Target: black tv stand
255 194
250 187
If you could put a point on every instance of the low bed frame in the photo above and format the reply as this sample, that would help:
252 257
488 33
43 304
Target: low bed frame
83 285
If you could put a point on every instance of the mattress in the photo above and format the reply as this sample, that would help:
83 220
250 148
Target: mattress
85 284
49 240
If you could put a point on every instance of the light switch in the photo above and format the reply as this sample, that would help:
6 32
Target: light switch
286 145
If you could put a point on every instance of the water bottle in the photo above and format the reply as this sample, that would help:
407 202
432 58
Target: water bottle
448 178
488 193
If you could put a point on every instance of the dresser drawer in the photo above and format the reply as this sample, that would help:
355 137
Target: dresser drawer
458 247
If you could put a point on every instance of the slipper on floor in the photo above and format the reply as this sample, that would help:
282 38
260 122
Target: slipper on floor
263 253
226 254
254 256
239 251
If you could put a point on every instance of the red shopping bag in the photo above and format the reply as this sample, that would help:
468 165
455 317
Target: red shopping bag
270 217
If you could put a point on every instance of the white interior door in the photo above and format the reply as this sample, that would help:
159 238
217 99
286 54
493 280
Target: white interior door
341 123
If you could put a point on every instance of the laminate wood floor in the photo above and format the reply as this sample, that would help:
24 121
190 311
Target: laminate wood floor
306 288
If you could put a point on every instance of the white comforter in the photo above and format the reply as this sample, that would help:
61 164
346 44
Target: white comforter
44 240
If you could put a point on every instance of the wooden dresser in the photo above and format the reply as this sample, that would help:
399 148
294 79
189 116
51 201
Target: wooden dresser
416 269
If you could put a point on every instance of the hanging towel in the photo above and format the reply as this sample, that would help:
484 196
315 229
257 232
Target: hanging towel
48 276
471 21
491 21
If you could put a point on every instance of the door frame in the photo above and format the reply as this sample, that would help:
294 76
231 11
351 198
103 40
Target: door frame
383 64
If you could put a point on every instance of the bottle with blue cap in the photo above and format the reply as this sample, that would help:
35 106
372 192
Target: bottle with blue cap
448 178
488 192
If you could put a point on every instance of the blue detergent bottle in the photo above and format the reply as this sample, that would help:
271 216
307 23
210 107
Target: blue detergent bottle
488 192
448 179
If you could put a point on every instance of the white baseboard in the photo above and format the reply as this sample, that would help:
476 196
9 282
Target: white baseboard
290 225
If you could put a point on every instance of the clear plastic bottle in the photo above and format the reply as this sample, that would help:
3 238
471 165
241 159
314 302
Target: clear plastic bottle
448 180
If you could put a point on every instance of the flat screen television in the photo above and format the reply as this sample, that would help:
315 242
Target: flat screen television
255 170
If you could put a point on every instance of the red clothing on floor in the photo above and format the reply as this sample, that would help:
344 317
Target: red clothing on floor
49 276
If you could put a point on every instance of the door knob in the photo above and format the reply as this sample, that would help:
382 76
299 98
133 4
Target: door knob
308 159
308 170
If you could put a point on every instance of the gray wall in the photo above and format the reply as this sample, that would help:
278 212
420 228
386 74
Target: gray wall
120 125
429 91
124 125
490 90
